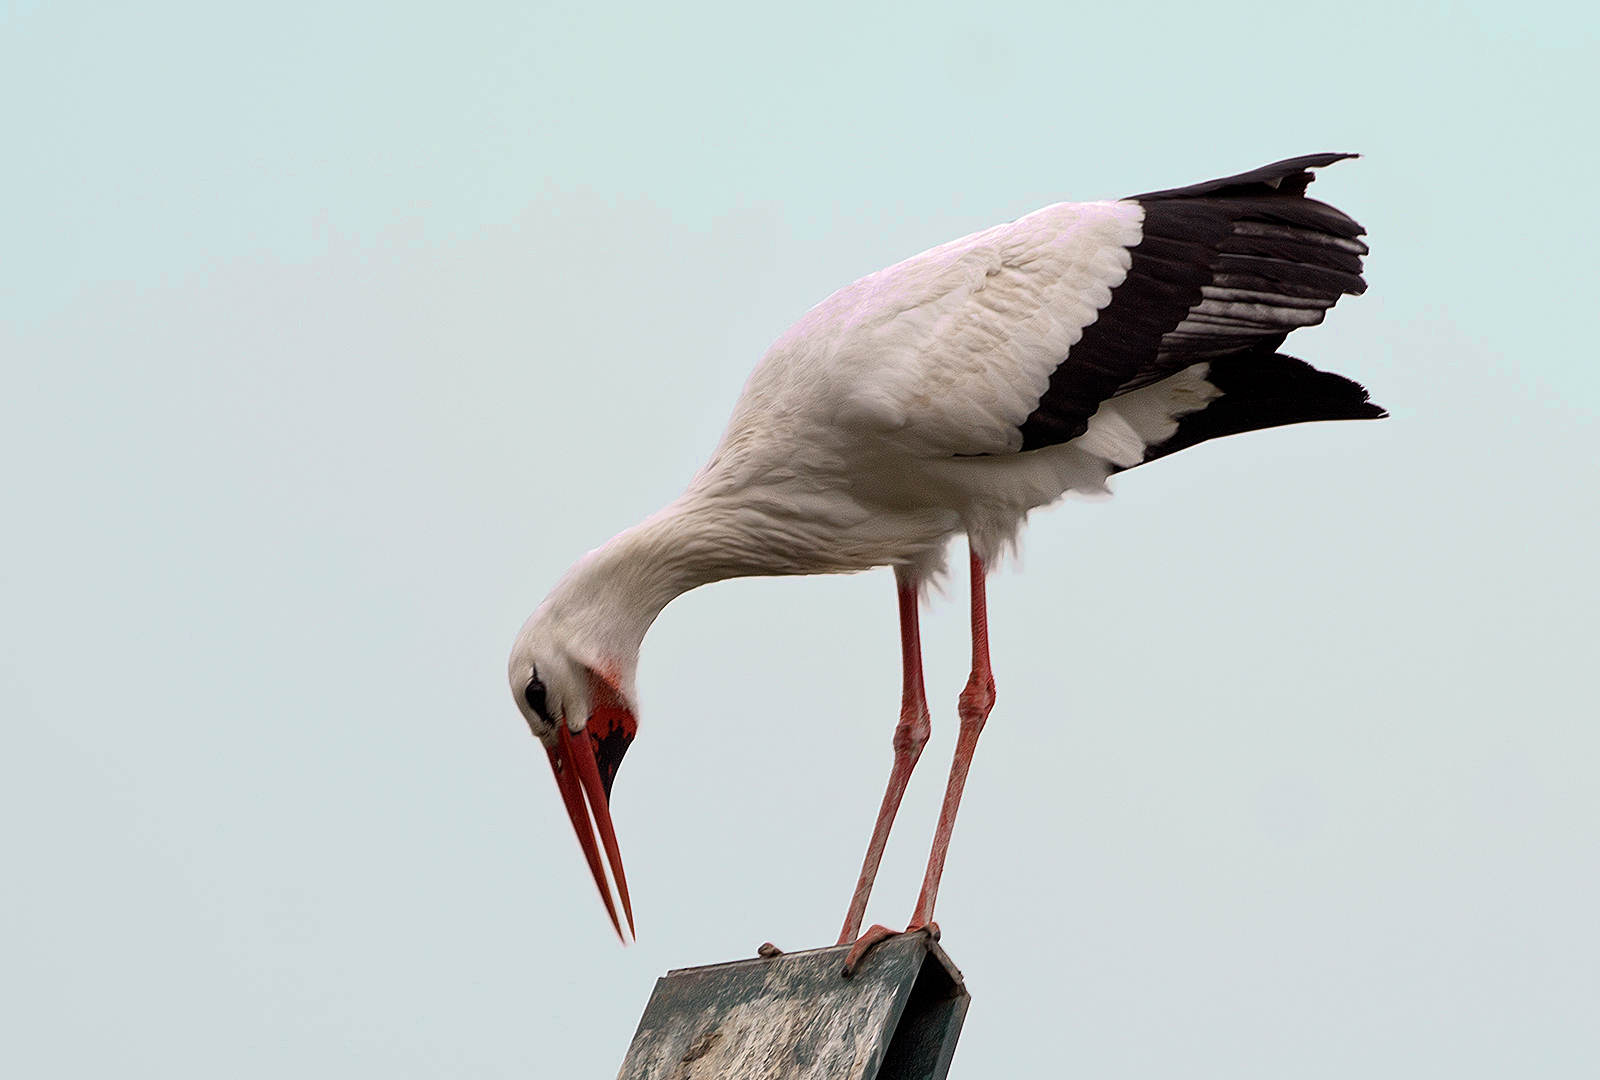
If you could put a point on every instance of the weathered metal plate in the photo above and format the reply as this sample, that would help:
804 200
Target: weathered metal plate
794 1017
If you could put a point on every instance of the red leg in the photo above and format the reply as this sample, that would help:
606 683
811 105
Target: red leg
910 735
976 701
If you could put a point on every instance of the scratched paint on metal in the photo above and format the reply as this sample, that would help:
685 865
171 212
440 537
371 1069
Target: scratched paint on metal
793 1017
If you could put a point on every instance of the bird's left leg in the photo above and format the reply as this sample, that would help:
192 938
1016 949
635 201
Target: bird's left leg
910 735
976 701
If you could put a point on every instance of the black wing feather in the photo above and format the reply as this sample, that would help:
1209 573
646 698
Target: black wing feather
1262 389
1224 268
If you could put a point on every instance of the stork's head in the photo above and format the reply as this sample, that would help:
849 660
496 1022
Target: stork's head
582 715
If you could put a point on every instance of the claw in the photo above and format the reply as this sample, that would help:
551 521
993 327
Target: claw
876 935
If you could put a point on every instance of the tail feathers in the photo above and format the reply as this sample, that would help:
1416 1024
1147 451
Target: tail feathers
1265 389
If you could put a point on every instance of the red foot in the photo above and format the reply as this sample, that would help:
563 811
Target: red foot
873 936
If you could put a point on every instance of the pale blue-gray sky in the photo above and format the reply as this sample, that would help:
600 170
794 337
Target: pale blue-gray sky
334 332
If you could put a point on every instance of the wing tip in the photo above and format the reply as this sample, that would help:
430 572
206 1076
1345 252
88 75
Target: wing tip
1265 389
1290 177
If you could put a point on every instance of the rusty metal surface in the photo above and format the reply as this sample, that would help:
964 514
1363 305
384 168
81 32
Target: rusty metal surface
793 1017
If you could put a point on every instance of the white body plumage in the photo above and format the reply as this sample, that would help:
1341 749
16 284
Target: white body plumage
880 425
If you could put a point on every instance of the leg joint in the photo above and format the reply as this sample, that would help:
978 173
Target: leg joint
911 734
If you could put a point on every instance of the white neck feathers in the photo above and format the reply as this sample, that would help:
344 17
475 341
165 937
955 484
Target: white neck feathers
602 607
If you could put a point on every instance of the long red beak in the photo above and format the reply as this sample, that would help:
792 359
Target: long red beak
578 776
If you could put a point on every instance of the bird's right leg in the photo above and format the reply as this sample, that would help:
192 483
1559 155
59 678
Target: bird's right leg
910 735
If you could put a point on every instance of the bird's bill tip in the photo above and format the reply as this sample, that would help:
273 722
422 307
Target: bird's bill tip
578 776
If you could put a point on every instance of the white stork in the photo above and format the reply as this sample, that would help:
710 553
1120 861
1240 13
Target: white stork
954 393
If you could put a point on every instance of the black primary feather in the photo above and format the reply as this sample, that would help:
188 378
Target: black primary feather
1224 269
1265 389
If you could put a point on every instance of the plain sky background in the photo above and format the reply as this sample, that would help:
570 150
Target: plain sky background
333 333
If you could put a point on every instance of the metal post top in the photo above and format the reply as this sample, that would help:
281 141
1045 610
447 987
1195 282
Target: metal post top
920 942
793 1016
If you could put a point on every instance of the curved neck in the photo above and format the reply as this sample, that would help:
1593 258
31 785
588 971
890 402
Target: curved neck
610 597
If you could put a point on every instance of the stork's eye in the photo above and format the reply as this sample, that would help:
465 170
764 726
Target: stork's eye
533 694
